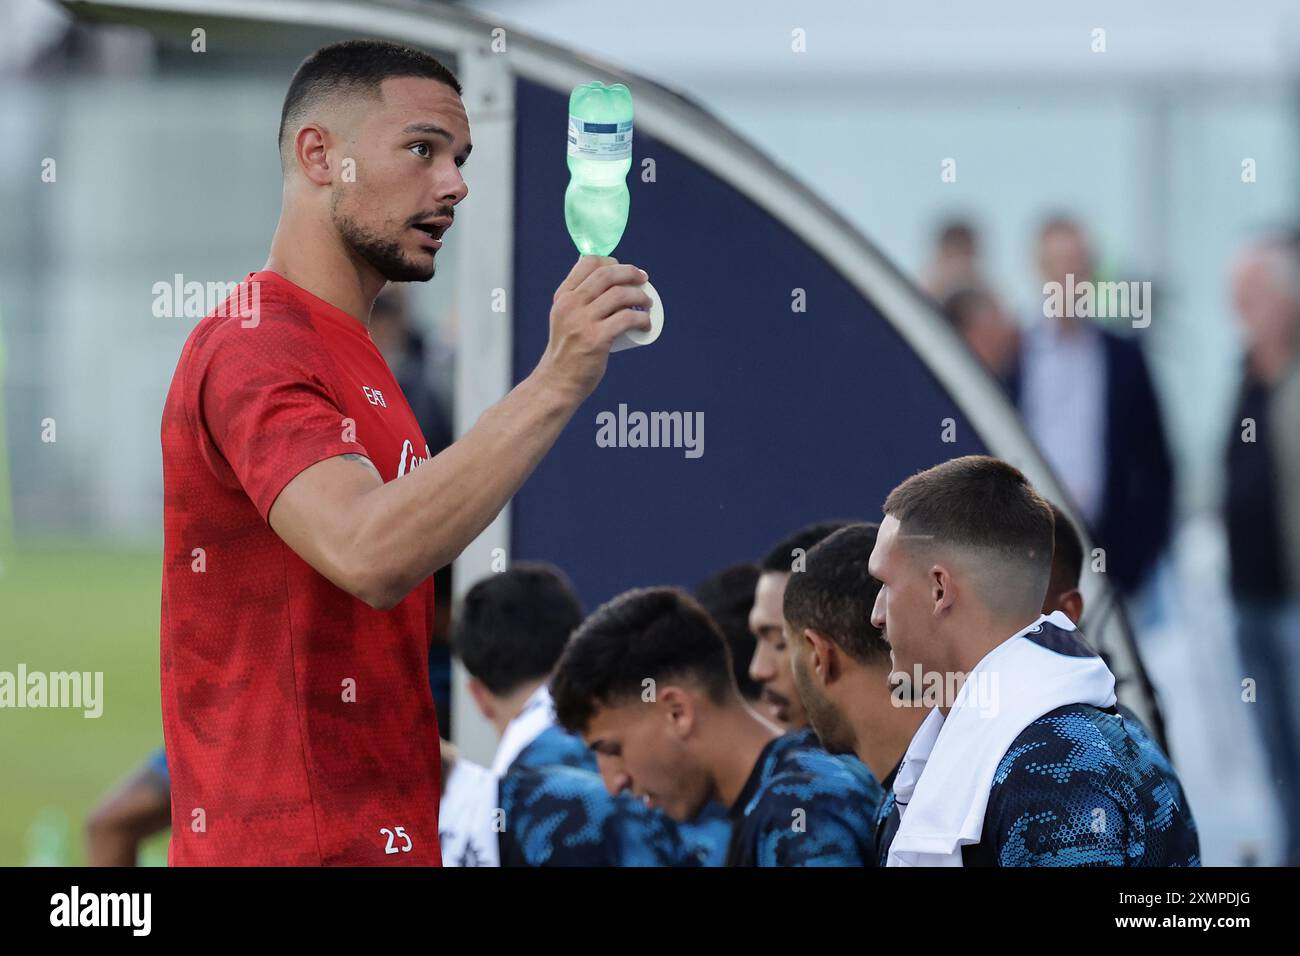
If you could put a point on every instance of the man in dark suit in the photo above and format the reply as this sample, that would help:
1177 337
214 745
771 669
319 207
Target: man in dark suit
1087 399
1262 509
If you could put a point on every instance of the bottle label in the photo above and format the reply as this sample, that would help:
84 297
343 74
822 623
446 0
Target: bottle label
609 141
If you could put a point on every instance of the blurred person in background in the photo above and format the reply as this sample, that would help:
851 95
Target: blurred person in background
728 596
1088 402
986 328
133 811
956 261
403 348
1263 507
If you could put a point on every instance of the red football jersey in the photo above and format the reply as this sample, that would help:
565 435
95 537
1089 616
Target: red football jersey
299 724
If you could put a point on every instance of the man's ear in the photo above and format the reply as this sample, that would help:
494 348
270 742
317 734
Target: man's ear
484 699
823 656
1071 602
942 592
678 708
311 154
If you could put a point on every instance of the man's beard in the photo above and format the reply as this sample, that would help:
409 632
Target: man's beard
834 731
385 256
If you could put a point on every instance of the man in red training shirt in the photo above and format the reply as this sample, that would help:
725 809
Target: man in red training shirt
303 514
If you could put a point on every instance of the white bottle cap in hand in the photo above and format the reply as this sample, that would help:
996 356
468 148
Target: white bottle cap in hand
634 337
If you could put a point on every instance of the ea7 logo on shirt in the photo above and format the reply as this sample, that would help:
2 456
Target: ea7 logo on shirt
102 909
374 396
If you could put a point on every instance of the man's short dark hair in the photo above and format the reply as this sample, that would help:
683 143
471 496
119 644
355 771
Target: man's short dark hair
513 625
728 596
1058 221
981 502
835 594
957 233
1067 552
658 633
963 303
353 66
780 559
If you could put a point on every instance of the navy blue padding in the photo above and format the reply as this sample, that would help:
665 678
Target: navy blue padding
807 415
1067 643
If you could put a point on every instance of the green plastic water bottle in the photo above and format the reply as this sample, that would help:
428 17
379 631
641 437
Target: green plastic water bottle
597 202
600 155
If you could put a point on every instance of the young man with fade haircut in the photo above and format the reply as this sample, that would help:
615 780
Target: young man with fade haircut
647 681
770 664
511 630
1024 760
840 662
304 514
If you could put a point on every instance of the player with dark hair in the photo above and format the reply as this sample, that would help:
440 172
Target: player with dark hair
1063 592
304 514
647 681
840 662
770 665
728 596
1023 760
510 631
